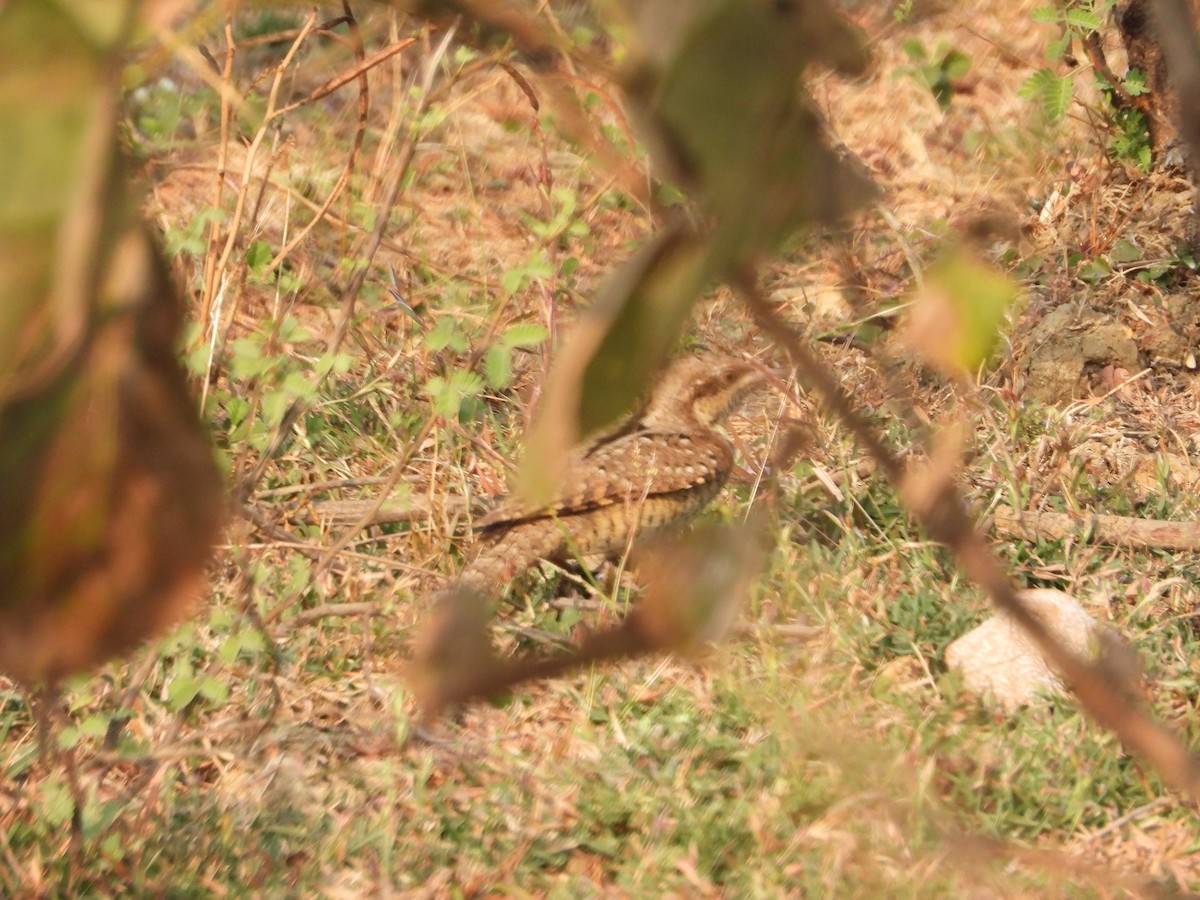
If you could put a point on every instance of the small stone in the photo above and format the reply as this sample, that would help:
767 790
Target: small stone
1002 664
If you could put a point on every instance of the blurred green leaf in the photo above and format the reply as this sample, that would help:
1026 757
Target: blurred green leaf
1051 90
750 146
182 691
497 366
1083 19
1135 83
615 349
449 393
258 256
58 806
525 334
214 690
955 320
648 300
108 480
1094 270
446 333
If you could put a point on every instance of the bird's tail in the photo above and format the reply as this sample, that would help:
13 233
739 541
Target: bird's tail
505 556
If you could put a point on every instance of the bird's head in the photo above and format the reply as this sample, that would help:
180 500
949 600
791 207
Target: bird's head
700 390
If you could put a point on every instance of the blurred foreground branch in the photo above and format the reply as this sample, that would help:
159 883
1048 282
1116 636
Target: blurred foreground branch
110 494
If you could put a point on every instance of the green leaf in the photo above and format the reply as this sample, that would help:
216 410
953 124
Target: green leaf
1153 272
1057 98
228 649
214 690
182 691
1054 92
236 408
1135 83
1083 19
750 147
1124 251
666 282
512 280
955 321
292 332
94 726
296 385
525 334
257 257
253 641
247 359
449 393
464 383
1094 271
58 806
1055 50
539 265
956 64
914 49
1045 14
497 366
445 333
274 406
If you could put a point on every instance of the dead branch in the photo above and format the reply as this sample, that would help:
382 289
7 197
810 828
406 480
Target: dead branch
373 512
1118 531
339 610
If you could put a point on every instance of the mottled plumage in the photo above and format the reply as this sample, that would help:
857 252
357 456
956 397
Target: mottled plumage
654 472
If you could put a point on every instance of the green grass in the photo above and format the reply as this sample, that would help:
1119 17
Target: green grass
822 750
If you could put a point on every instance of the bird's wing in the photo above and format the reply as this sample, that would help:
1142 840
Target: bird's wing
624 470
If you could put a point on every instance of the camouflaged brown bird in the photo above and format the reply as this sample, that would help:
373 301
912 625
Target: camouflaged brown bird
654 472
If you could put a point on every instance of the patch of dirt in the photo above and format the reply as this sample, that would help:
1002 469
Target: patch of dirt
1075 348
1118 310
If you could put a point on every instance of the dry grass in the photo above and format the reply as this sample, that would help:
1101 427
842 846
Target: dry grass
266 748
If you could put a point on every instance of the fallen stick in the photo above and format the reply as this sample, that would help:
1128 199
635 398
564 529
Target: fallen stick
1118 531
409 509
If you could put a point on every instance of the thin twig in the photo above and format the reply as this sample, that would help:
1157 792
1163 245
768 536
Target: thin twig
322 212
367 255
489 677
317 487
256 142
208 295
335 610
1133 815
359 71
